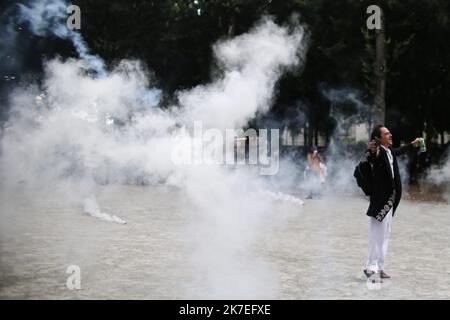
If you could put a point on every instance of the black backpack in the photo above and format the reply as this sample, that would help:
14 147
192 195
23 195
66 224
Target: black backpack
363 176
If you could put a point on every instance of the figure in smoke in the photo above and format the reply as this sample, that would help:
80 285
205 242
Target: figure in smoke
315 173
385 196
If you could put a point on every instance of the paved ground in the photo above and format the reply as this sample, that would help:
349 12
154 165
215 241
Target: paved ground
316 251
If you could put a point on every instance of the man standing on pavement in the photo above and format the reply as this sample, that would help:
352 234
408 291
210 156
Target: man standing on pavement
385 196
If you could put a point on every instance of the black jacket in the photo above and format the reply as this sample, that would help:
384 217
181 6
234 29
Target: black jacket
386 190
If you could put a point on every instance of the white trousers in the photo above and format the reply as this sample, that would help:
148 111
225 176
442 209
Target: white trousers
378 242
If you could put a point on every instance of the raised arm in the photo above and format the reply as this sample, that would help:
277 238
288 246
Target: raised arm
372 152
406 147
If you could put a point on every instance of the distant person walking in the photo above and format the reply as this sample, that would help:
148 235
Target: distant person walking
316 172
386 193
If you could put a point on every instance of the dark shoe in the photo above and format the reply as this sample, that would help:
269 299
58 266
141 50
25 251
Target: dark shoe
368 273
384 275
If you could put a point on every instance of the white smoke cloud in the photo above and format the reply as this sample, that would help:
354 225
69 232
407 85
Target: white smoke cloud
440 175
363 113
82 128
251 64
76 118
341 158
48 17
91 206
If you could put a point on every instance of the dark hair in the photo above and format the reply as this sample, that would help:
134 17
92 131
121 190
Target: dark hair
313 148
376 132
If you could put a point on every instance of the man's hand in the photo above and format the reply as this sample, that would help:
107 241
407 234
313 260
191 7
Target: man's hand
373 146
416 142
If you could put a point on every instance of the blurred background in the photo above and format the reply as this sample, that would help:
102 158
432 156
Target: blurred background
336 93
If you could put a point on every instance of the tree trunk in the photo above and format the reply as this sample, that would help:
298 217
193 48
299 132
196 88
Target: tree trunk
231 27
310 135
316 137
305 136
380 73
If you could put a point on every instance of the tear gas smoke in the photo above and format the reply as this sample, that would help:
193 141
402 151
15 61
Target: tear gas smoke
440 175
79 129
48 17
